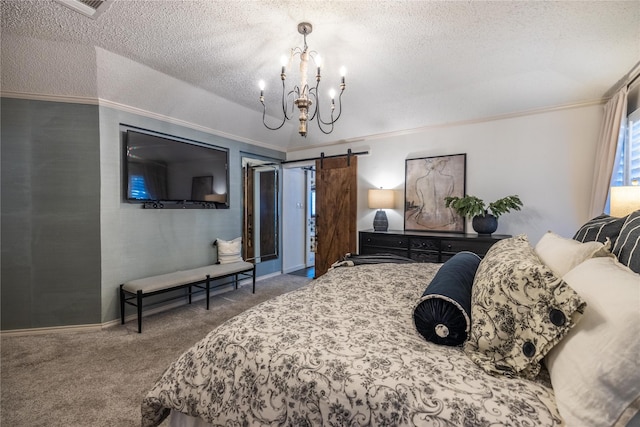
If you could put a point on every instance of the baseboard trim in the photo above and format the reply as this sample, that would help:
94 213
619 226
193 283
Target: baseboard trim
266 276
53 329
294 268
132 317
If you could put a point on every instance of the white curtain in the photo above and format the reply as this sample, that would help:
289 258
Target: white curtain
614 112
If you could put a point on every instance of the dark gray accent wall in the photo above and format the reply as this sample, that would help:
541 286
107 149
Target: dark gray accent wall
50 210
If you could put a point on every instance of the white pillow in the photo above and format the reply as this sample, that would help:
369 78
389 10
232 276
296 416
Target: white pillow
561 254
594 369
229 251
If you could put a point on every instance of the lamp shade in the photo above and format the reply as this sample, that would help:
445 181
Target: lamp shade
624 200
381 199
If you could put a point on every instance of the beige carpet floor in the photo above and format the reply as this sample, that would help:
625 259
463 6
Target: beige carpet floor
99 378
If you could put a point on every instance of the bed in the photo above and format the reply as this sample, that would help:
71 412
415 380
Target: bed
345 350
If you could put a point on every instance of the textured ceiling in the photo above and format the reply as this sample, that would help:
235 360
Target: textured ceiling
410 63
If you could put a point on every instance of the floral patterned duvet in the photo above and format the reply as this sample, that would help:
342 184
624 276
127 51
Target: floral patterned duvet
342 351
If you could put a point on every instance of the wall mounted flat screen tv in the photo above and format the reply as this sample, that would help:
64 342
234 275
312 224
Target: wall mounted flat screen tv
163 171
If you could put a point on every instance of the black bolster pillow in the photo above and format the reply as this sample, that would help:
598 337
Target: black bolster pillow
443 314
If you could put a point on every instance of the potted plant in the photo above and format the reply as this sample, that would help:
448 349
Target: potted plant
482 221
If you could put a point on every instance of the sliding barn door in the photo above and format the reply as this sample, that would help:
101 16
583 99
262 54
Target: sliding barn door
336 206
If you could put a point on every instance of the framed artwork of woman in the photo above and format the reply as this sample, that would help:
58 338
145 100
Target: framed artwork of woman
428 181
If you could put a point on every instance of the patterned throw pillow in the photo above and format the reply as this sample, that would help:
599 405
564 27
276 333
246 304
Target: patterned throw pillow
229 251
599 229
627 247
519 310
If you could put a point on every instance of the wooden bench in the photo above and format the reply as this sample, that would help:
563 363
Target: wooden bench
134 291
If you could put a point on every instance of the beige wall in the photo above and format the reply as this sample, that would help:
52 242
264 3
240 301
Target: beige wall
546 158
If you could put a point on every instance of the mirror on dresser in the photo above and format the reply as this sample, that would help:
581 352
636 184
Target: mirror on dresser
261 214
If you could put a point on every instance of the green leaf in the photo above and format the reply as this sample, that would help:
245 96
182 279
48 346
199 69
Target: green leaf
504 205
470 206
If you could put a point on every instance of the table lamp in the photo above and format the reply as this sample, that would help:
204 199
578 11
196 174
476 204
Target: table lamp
381 199
624 200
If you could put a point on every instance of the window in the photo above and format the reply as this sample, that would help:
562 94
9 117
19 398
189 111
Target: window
634 146
627 166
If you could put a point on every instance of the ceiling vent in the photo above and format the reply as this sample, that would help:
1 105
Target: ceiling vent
90 8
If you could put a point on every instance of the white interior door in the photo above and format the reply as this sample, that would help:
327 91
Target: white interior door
293 219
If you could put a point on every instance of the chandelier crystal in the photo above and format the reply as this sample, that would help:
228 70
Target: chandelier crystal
305 98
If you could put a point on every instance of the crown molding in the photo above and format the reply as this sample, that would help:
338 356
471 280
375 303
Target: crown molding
137 111
371 137
50 98
185 123
404 132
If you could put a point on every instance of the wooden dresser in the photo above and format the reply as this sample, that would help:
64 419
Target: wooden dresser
424 246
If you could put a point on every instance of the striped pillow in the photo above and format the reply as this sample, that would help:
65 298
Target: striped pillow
599 229
627 246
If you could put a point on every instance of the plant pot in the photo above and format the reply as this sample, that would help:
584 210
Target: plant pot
486 224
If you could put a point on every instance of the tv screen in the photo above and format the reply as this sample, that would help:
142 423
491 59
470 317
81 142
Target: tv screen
160 168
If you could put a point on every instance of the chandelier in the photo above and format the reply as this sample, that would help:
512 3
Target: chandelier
304 97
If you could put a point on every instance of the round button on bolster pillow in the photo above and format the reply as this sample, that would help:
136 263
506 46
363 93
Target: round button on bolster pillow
443 314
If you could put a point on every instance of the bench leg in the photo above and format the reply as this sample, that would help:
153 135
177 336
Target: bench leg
254 279
207 286
121 305
189 294
139 299
236 276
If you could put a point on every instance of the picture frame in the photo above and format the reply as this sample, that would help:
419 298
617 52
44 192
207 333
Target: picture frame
428 180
